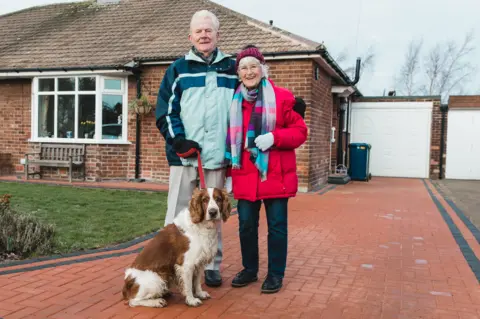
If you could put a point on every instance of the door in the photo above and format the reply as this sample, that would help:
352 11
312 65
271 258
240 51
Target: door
463 144
399 133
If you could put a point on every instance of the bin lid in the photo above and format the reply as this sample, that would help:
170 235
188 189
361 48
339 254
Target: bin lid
359 145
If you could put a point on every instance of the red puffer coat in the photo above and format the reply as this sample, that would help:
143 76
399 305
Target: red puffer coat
290 132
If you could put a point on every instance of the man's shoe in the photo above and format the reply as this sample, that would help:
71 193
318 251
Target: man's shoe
272 285
213 278
243 278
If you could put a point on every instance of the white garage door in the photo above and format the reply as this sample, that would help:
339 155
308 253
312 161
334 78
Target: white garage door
463 144
399 133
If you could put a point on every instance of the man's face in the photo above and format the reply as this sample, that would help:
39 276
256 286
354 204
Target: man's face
203 36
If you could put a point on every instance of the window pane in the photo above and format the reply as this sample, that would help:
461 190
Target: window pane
86 116
113 84
46 115
66 84
112 116
46 85
86 84
66 116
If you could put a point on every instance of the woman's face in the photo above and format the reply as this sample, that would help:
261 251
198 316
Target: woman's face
250 73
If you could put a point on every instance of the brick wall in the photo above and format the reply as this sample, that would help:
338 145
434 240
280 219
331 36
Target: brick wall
313 156
320 122
297 76
435 139
118 161
15 101
153 165
464 101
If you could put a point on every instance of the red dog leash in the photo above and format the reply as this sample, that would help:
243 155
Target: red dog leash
200 166
200 171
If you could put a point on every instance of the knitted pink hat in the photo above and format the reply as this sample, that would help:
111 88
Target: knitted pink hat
249 50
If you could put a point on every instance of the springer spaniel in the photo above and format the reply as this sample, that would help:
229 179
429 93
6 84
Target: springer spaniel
179 253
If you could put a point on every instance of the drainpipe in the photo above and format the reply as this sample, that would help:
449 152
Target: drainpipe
444 110
347 136
347 140
137 72
340 134
357 72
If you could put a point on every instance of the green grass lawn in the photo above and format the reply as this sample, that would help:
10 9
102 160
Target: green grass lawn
89 218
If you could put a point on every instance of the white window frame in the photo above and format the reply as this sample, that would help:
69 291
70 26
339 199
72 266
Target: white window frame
99 92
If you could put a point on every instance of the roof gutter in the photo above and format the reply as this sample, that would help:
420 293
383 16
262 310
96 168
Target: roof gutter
320 53
325 55
171 59
27 72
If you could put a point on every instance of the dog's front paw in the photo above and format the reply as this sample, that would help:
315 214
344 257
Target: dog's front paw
159 303
202 295
193 302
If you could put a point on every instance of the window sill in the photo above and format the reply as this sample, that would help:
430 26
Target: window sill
79 141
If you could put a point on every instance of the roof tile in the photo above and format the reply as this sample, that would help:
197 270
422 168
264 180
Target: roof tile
88 34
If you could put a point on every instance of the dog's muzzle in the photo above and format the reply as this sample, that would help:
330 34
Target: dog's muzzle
213 213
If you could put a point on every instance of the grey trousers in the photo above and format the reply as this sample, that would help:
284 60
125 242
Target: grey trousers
182 182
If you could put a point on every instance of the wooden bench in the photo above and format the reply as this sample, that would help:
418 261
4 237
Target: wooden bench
57 155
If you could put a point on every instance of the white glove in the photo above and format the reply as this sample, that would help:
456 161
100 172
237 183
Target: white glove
228 185
264 142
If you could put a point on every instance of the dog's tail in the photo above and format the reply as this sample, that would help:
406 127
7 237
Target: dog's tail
130 289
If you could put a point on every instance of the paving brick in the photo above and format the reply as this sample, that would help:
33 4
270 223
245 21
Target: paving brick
9 306
4 312
23 313
50 310
335 236
34 303
5 294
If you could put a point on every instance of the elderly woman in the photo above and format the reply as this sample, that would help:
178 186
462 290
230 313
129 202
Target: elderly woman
264 131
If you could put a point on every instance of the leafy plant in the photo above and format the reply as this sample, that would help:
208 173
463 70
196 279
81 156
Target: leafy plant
23 234
140 105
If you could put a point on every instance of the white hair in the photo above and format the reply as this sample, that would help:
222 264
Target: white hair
205 14
250 59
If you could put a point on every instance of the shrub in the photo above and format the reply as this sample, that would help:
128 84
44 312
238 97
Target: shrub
23 234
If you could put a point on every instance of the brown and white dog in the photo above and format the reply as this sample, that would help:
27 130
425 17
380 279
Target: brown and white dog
179 253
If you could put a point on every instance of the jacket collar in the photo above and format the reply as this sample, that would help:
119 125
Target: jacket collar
193 57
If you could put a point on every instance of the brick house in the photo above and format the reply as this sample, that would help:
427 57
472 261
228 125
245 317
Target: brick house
68 71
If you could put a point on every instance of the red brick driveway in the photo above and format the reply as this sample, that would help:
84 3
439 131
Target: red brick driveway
383 249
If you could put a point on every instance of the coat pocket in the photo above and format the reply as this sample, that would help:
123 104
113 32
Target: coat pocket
275 166
288 164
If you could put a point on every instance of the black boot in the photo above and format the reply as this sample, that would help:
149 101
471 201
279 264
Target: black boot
213 278
272 284
243 278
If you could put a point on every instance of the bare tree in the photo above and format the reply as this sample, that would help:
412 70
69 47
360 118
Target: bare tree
349 64
410 69
442 71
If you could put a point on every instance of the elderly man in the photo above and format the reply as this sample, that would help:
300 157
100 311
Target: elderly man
192 109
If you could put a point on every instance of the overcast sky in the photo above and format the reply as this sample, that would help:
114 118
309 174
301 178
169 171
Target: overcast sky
355 25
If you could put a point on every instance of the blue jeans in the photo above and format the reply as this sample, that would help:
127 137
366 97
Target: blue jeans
248 216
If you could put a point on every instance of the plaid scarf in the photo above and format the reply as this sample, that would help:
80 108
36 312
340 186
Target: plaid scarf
262 121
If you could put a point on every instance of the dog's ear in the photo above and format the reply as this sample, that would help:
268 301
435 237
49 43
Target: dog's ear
226 206
197 213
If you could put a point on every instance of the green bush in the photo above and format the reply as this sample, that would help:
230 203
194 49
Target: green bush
23 234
